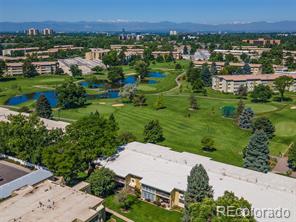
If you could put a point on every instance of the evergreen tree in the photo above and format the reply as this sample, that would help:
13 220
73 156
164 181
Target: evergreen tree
206 76
213 69
43 108
292 157
246 69
75 71
242 91
239 110
264 124
112 122
29 70
153 132
256 155
245 119
198 188
193 102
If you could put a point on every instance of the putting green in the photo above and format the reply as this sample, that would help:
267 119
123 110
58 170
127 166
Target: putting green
285 128
261 108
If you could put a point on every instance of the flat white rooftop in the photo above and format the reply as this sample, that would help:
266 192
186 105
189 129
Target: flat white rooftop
50 124
49 201
166 170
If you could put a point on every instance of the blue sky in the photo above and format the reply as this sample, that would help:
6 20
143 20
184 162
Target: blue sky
200 11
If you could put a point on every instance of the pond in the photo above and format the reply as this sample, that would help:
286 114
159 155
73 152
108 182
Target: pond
125 81
52 97
109 93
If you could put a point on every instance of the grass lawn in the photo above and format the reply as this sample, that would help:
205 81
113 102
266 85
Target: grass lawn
182 132
143 212
22 85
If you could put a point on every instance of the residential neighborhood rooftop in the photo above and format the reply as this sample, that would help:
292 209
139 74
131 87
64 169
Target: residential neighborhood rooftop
164 169
253 77
49 201
50 124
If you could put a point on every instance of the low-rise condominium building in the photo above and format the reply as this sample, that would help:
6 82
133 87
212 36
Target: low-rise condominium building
49 201
160 174
43 68
231 83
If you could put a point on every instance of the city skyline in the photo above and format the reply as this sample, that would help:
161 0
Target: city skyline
200 11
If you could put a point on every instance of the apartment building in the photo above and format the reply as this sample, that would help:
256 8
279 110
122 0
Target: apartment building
32 32
262 41
255 68
51 201
47 31
231 83
43 68
23 51
160 174
176 54
119 47
96 54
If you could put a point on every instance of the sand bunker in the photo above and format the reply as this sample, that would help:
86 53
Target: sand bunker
118 105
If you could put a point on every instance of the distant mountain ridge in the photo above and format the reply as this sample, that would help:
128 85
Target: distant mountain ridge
116 26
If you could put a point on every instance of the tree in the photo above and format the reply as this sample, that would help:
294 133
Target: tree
75 71
244 57
71 95
29 70
148 55
267 67
153 132
185 50
198 188
2 68
245 119
256 156
198 86
128 91
290 63
112 123
125 200
43 108
126 137
206 75
239 110
282 84
263 123
97 69
139 100
26 137
159 103
142 69
246 69
213 69
261 93
102 182
84 141
206 210
178 66
292 157
242 91
111 59
208 143
115 74
193 102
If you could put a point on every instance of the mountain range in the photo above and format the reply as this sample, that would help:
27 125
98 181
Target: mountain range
117 26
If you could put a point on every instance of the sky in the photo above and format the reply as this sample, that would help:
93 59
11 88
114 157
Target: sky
197 11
